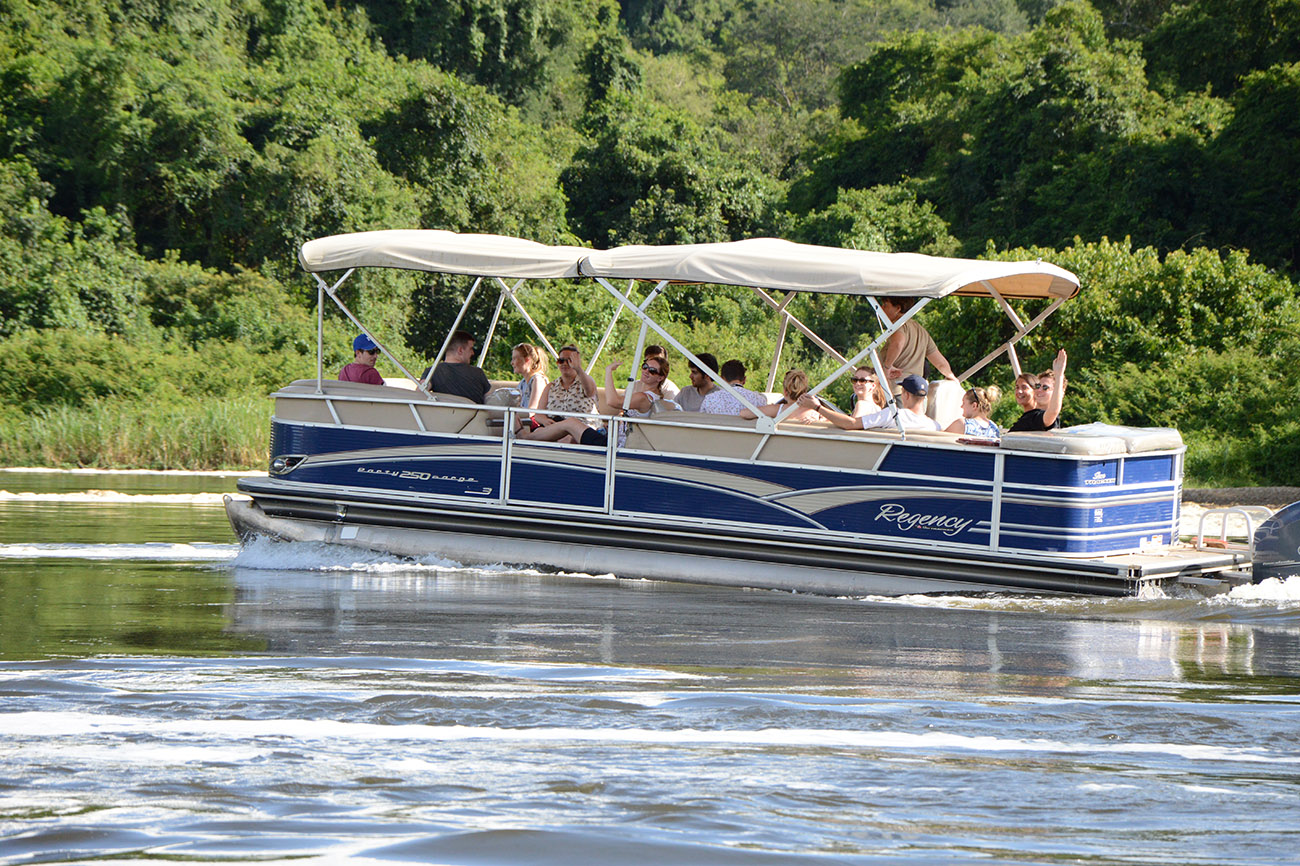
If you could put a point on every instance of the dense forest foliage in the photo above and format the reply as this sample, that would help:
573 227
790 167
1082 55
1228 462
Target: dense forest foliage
162 160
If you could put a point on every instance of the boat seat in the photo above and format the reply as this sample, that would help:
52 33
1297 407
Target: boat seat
387 408
736 437
1096 440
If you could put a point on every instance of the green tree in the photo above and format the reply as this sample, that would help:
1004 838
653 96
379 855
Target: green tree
1219 42
650 175
1257 201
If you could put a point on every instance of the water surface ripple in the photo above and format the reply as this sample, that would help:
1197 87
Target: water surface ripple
164 696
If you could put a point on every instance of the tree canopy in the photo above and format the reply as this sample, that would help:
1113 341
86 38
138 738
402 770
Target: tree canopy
162 160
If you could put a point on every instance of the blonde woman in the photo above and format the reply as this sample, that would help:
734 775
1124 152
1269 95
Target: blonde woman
974 422
529 364
793 386
868 396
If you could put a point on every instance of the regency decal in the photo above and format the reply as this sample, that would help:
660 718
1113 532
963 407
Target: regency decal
906 520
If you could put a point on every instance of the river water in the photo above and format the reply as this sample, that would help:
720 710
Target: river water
165 696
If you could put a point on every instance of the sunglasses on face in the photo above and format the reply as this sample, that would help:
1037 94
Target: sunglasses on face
565 361
654 370
1042 387
371 351
858 381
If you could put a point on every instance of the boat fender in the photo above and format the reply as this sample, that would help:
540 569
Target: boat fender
1277 546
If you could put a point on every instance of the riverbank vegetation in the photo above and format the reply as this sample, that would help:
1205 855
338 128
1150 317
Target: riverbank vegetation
162 160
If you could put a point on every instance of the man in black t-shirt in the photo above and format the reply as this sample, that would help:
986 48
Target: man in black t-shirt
456 375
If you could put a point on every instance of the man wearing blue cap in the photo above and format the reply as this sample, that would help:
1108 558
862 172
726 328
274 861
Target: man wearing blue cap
362 369
911 413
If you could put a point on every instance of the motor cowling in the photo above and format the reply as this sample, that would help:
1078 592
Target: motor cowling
1277 546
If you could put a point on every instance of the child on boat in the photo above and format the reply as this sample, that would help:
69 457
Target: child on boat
976 404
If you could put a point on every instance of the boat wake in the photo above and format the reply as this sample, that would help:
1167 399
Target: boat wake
261 554
1271 596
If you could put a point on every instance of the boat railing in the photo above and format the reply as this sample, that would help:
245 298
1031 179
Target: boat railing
1251 516
379 407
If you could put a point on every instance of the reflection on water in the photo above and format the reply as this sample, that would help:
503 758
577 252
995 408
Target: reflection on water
165 696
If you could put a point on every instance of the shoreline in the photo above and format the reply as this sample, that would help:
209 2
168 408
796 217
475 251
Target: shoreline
1273 497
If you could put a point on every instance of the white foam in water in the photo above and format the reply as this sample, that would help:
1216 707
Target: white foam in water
309 556
262 554
163 551
1271 589
253 733
115 497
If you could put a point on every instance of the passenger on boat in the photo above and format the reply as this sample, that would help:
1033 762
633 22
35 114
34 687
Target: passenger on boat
574 390
456 375
1043 409
720 402
910 346
690 397
868 396
362 369
529 363
653 372
912 412
975 423
794 386
669 389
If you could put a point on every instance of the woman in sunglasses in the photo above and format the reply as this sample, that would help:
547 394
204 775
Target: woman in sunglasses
868 396
1040 397
572 391
653 373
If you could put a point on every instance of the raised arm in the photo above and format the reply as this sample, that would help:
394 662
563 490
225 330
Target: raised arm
613 396
588 383
1053 409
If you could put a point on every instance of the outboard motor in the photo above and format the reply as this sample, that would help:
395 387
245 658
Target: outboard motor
1277 546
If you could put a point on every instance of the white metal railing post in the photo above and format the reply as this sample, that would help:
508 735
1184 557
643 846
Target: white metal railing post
442 350
995 507
627 303
512 293
799 325
492 326
320 335
507 453
776 356
1009 345
338 302
609 331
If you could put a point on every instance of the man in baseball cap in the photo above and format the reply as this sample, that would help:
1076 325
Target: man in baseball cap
911 413
915 385
362 369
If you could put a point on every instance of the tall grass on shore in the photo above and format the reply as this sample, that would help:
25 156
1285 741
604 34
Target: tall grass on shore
175 433
231 433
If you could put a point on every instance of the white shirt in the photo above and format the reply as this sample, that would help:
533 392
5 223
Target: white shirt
911 420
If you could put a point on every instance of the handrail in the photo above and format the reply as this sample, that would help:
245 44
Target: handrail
1246 512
